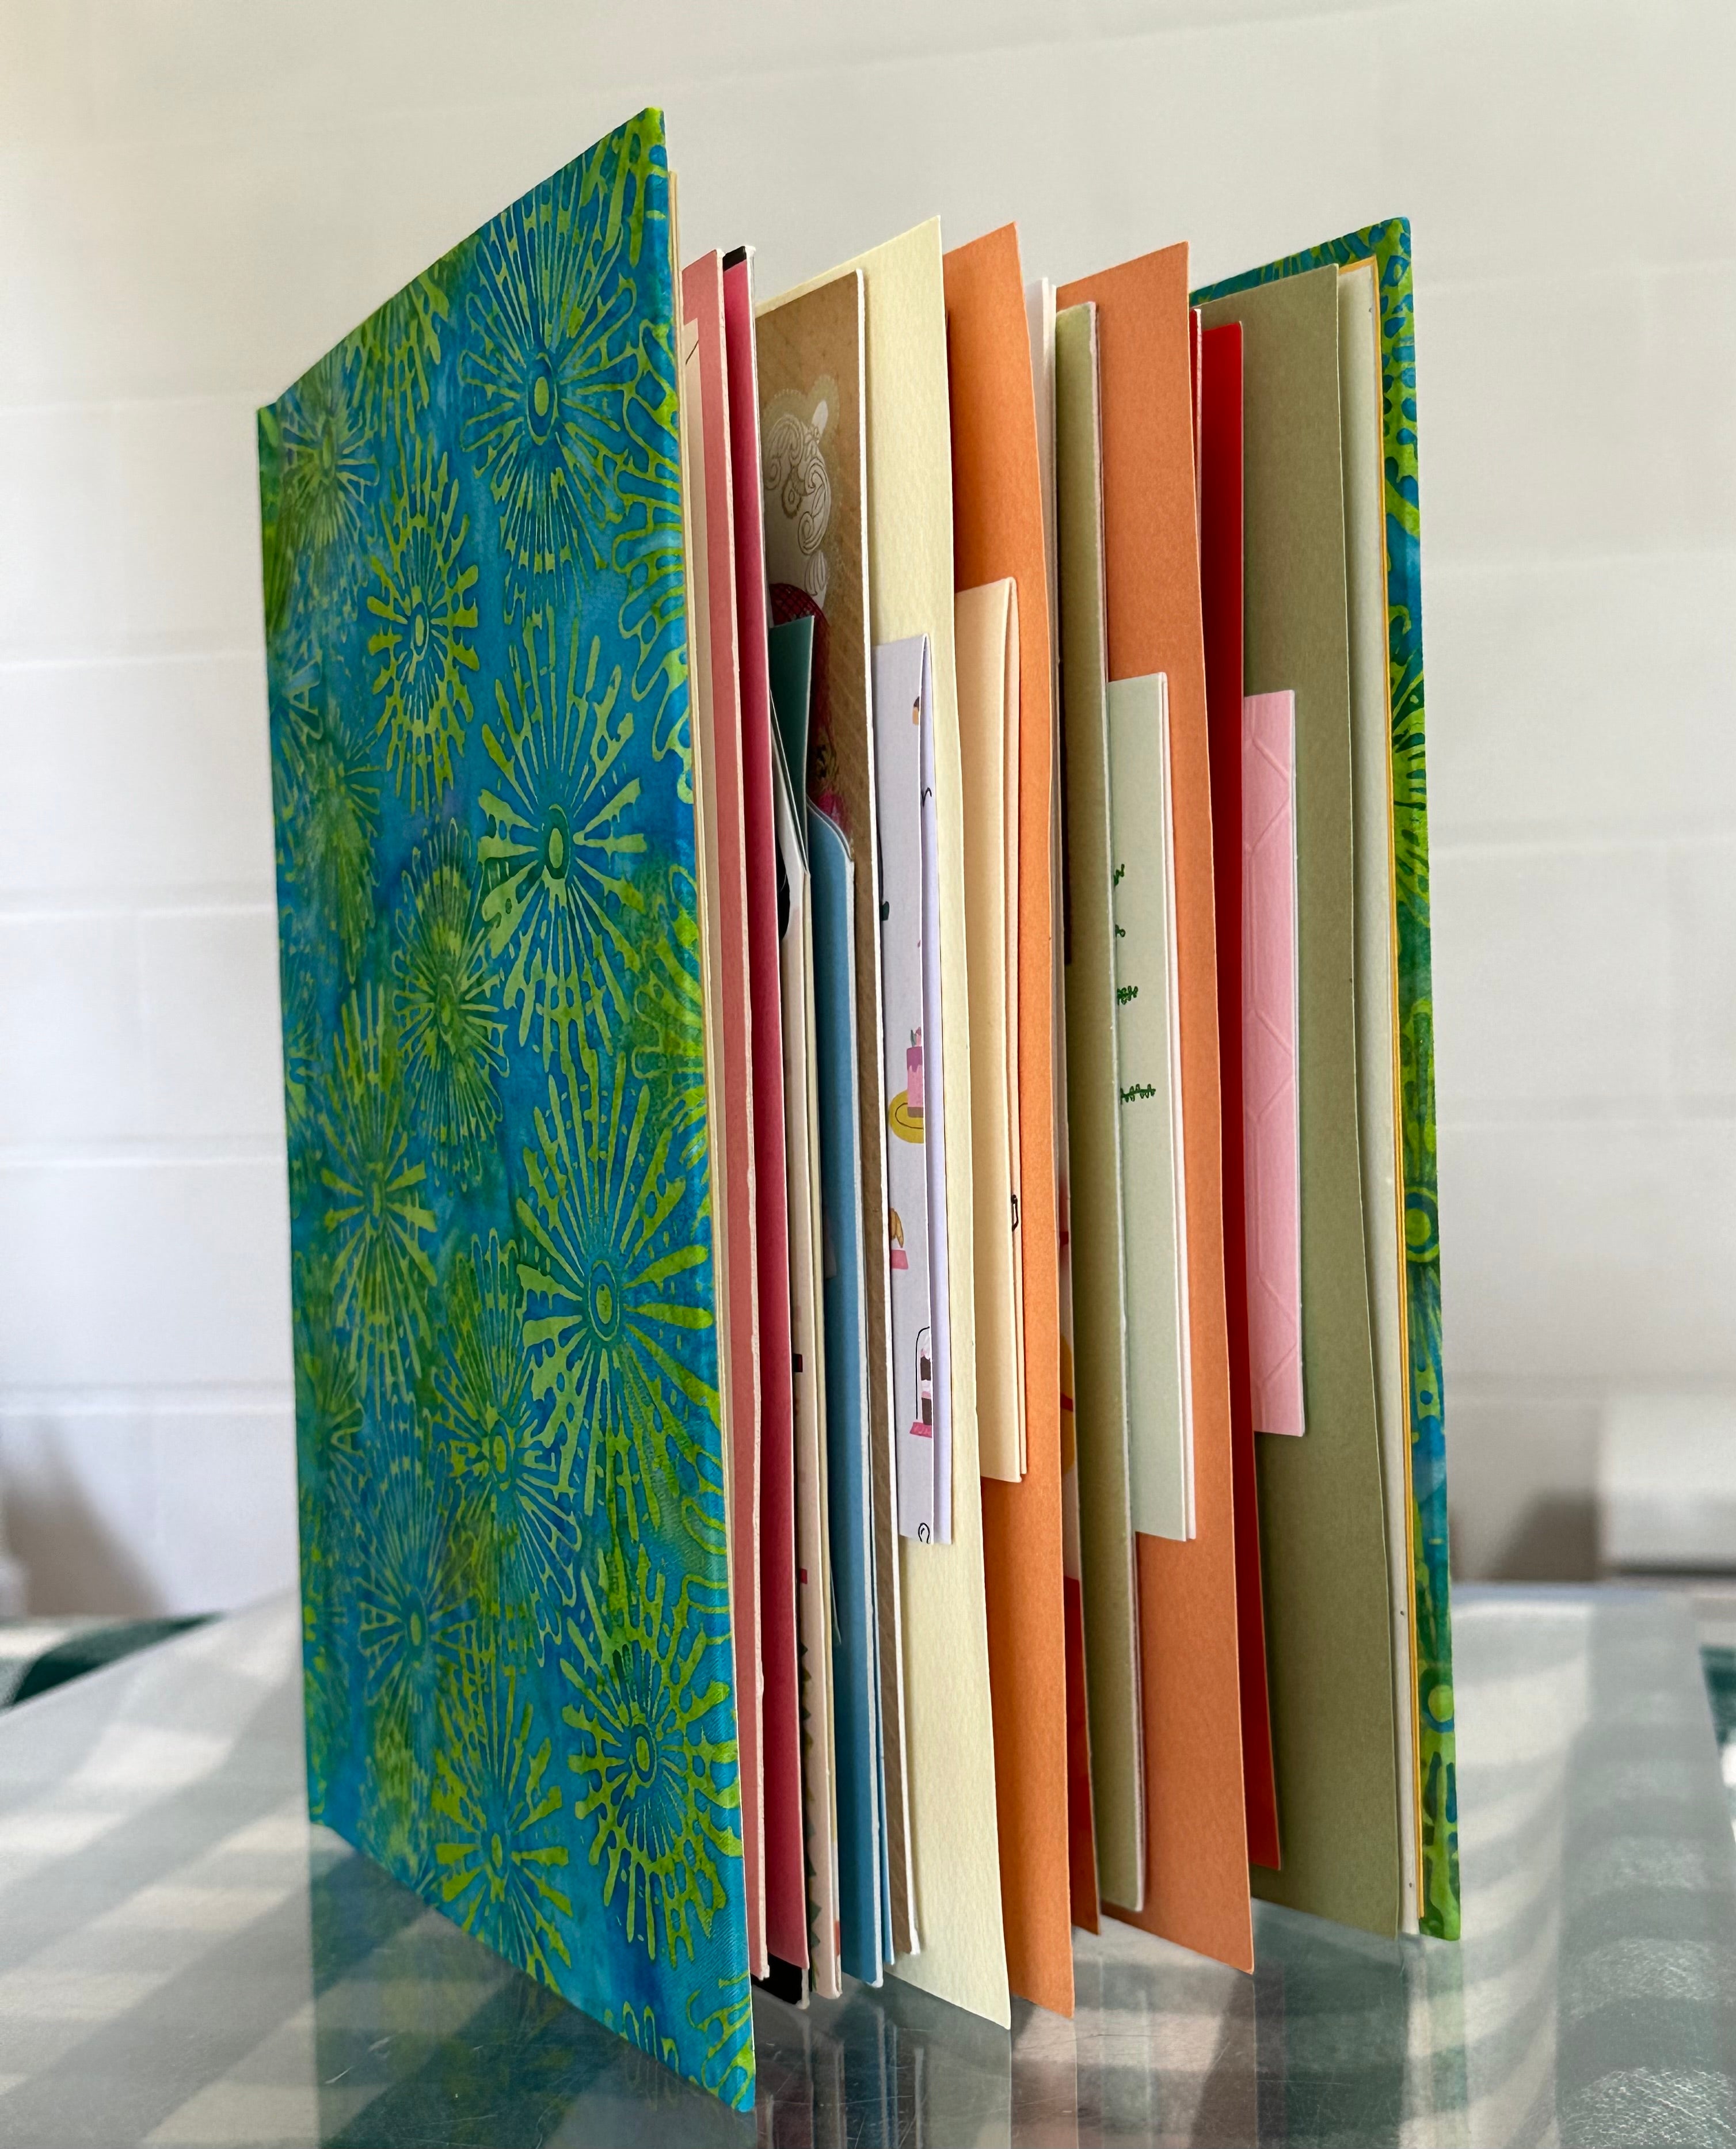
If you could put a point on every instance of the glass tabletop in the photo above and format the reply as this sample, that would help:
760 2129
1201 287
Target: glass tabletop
183 1960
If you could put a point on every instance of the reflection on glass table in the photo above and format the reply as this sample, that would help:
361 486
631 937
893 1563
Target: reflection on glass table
183 1960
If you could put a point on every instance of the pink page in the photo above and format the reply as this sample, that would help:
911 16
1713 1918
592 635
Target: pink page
786 1882
733 1130
1271 1139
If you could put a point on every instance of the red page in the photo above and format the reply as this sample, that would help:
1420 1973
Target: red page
1221 589
786 1873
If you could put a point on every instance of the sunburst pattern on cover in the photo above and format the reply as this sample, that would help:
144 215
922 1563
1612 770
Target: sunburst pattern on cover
1388 245
519 1674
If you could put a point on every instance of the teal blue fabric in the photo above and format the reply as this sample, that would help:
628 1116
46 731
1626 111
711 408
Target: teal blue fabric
519 1674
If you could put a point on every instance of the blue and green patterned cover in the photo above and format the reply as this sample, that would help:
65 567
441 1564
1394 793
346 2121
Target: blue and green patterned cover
1388 245
519 1675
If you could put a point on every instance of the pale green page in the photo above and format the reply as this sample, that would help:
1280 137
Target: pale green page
1100 1337
1359 399
1323 1536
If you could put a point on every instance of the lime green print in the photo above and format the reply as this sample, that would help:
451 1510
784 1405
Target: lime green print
650 551
515 1521
409 1618
547 374
726 2033
328 472
445 1004
609 1249
669 1030
659 1787
511 1464
330 815
561 844
375 1212
426 613
399 347
497 1837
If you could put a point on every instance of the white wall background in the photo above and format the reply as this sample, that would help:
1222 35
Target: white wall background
198 197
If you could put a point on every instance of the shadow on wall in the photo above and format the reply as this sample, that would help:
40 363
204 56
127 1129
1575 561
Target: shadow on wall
1556 1540
72 1560
144 1513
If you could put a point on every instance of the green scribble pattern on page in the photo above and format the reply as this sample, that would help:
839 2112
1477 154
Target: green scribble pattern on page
1388 245
519 1677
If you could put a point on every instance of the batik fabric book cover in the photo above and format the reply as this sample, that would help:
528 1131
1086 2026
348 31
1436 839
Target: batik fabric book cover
514 1567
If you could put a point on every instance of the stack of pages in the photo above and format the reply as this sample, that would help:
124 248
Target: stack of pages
855 955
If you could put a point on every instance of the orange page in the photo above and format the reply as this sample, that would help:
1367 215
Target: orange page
1196 1838
998 532
703 304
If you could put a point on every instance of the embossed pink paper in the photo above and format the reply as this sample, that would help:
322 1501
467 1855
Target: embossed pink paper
1273 1168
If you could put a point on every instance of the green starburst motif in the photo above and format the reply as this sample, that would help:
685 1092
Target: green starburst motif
277 536
304 1061
325 1683
613 1249
726 2032
517 1526
547 374
376 1219
649 1690
399 344
650 552
668 1029
443 1001
328 1448
328 1403
327 472
424 640
560 837
410 1621
638 2026
328 810
495 1819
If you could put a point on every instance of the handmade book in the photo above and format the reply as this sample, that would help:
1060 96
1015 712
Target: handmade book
521 1682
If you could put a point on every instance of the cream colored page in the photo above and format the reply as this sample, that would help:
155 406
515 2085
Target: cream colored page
983 619
949 1719
1378 1121
1157 1445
